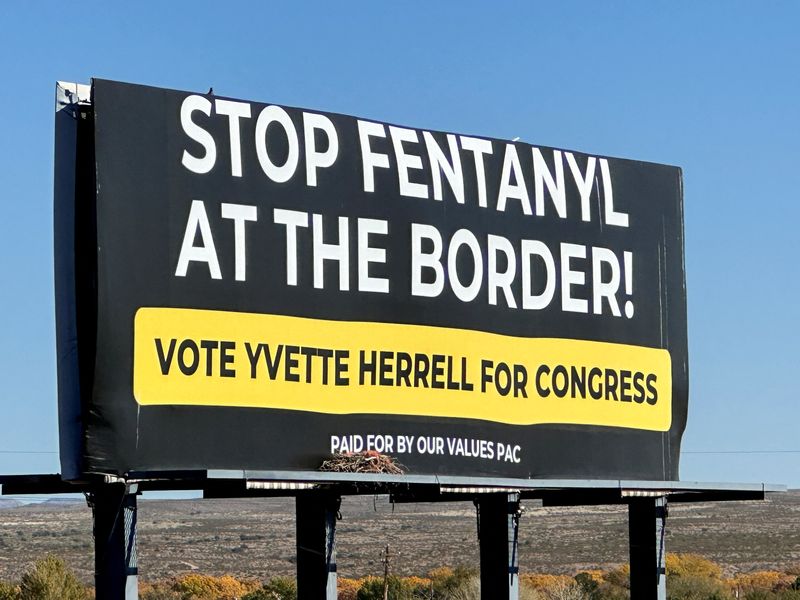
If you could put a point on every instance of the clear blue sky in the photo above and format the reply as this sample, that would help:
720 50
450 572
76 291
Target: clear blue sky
713 87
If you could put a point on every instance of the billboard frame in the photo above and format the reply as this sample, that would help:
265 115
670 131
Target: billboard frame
96 438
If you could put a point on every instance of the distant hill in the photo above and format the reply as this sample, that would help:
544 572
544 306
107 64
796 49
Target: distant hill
64 501
9 503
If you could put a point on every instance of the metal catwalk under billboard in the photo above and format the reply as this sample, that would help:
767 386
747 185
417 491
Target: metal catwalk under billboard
250 286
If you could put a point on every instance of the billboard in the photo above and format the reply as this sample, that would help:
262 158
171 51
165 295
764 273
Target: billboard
243 285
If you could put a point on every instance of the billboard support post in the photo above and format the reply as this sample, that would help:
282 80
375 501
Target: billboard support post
317 514
498 528
115 566
647 548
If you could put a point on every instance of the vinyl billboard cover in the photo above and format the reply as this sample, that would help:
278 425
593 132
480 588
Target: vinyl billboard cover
244 285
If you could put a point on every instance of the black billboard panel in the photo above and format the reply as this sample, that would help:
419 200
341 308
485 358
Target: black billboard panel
256 287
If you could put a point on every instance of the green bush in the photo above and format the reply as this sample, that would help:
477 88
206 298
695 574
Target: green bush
277 588
588 585
372 589
50 579
616 584
695 587
8 591
608 591
446 581
470 589
759 595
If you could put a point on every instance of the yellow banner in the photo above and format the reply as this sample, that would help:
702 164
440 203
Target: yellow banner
216 358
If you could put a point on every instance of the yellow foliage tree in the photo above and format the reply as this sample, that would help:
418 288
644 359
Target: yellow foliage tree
692 565
347 589
418 584
762 581
544 581
208 587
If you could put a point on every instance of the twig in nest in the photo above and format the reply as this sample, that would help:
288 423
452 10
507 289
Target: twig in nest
363 462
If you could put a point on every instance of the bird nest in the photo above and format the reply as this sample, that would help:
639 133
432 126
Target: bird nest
363 462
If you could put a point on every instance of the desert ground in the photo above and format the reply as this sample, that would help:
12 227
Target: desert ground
255 537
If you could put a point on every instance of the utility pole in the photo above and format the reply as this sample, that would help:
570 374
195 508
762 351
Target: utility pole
386 560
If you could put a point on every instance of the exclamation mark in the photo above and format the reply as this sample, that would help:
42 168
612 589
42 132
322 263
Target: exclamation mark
627 258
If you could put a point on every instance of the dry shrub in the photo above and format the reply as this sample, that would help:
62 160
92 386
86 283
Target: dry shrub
440 573
372 589
50 579
694 587
590 582
277 588
420 586
347 589
529 593
552 587
543 581
446 581
619 577
596 575
793 569
564 589
615 584
469 589
207 587
8 591
762 581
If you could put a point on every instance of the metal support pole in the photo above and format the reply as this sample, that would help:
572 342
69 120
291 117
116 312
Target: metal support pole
498 529
647 549
317 514
114 511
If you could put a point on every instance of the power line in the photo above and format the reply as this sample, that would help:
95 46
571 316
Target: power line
28 452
